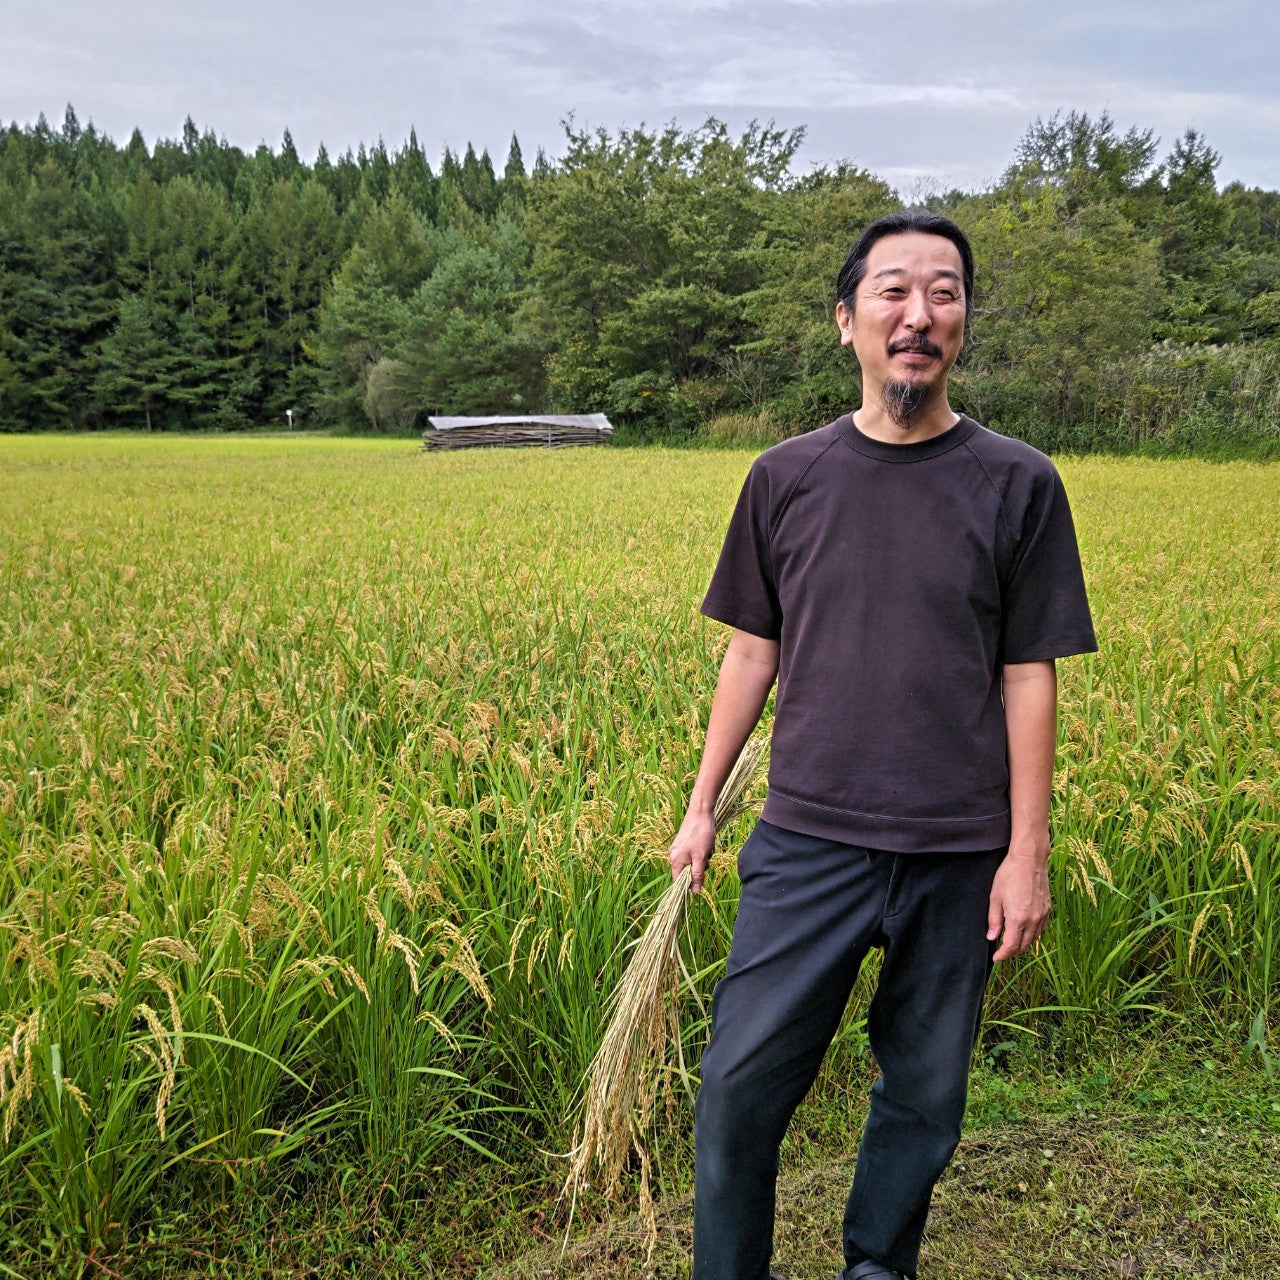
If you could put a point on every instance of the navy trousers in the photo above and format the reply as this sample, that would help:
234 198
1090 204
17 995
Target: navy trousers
810 911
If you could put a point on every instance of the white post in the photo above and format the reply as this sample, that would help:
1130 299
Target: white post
288 413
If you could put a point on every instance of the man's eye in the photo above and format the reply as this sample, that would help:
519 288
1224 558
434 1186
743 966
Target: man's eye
944 295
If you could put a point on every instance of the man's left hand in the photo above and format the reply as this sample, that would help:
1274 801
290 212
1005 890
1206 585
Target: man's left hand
1020 902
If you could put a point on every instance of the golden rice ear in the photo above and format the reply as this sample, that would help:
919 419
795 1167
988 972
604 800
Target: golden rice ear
621 1083
731 803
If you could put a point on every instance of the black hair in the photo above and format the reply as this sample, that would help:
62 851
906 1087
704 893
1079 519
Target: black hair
901 223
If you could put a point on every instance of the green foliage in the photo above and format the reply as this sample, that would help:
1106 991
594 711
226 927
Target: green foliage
792 364
361 315
187 310
1264 312
467 342
668 277
1064 298
1203 301
413 177
514 168
292 241
644 246
136 363
355 331
55 297
1083 161
478 183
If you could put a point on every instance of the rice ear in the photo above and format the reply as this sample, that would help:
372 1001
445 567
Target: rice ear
731 803
621 1083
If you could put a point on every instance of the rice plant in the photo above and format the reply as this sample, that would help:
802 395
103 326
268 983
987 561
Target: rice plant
335 784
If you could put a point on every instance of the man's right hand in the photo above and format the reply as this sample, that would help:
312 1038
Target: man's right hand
746 676
693 846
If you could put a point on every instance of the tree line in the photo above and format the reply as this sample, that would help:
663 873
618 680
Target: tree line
679 280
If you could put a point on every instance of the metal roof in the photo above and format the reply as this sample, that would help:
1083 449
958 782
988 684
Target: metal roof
587 421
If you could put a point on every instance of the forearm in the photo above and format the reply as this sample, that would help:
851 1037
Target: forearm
1020 892
747 674
1031 719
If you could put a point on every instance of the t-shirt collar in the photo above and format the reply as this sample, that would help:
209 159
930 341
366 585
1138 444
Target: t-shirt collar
954 435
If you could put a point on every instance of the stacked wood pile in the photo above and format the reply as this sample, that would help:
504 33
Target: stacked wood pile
545 430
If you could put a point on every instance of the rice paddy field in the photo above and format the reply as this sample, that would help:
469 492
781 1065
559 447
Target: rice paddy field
335 780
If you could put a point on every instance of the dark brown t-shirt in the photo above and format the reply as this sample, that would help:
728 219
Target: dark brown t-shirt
898 580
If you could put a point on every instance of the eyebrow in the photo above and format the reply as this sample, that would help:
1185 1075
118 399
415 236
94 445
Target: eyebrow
942 272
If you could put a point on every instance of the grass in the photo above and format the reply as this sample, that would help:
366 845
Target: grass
335 780
1053 1200
1146 1160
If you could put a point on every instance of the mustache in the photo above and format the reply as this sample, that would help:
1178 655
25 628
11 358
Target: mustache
919 343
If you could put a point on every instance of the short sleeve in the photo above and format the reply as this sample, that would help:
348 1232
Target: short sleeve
743 593
1046 608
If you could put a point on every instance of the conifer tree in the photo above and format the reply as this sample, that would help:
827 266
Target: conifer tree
70 126
1205 305
361 314
136 365
514 167
478 183
288 166
377 174
55 300
414 179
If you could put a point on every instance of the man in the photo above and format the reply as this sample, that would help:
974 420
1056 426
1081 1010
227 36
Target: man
909 578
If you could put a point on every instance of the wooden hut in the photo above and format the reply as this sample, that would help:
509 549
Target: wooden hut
541 430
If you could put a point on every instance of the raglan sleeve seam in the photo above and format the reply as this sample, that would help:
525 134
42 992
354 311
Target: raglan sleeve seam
995 488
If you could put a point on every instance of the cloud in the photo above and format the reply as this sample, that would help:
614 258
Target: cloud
931 86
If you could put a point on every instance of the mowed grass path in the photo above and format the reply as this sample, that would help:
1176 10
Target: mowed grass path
333 777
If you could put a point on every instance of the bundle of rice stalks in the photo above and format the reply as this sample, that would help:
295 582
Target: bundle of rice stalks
623 1077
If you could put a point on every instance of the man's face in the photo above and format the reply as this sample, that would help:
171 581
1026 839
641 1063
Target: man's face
907 326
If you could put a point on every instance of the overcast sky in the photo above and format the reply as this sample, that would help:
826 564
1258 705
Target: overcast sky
916 92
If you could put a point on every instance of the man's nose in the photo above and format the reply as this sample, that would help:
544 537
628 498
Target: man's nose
918 318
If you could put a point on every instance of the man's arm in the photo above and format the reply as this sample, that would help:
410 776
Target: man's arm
1020 892
746 675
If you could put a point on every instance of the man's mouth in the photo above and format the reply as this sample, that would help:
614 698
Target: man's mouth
915 347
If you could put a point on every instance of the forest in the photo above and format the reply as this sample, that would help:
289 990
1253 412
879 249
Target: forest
679 280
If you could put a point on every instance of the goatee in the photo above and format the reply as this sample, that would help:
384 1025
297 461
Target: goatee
903 400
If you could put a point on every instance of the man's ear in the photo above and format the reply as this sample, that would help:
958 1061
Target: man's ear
844 321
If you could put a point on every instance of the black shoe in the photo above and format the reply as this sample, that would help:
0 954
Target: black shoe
869 1270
